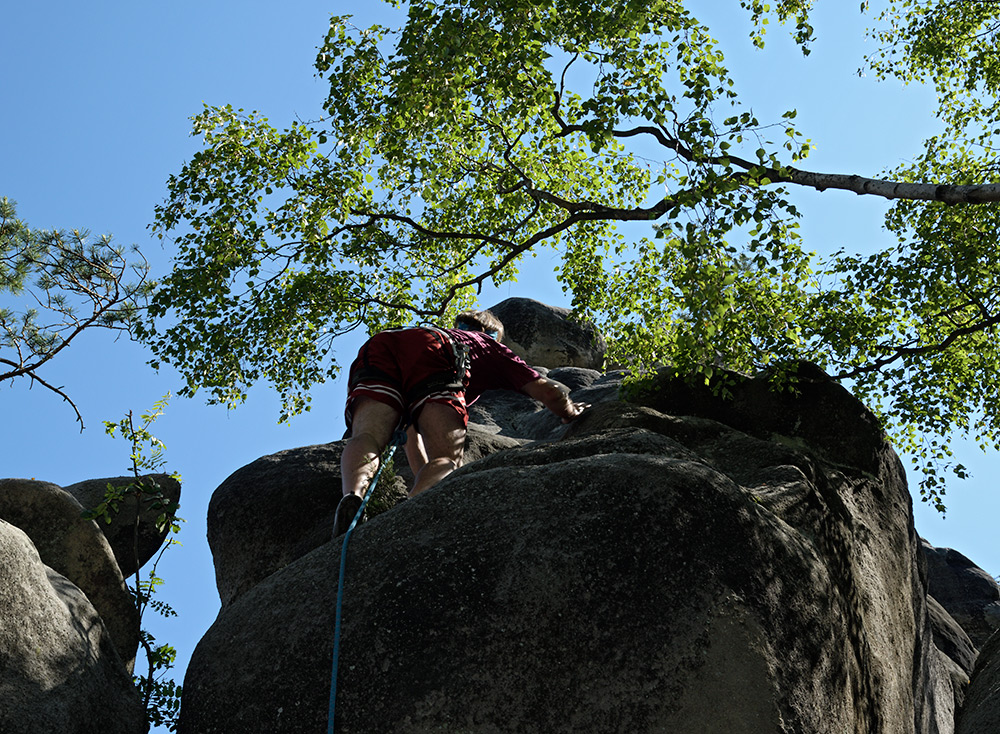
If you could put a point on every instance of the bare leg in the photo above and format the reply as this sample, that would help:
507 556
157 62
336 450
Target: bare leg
416 456
371 430
443 433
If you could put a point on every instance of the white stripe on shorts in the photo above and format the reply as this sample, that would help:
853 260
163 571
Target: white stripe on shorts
382 390
446 395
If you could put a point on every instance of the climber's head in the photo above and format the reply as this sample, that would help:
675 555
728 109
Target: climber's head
483 321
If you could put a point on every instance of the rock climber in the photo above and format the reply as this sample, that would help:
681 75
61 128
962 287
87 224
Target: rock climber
425 378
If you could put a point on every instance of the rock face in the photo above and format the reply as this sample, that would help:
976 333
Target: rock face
675 563
278 508
68 626
951 639
544 335
59 671
964 604
77 549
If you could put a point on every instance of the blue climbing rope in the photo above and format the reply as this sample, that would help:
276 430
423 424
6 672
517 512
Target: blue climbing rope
398 439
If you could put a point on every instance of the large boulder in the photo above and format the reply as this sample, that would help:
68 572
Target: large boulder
76 548
969 593
547 336
688 569
134 527
59 670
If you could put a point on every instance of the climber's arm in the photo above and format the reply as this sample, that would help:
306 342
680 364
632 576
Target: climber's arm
554 396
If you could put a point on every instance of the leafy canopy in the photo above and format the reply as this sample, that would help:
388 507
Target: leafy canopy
478 132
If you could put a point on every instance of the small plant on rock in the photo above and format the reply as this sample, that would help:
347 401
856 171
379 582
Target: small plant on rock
160 695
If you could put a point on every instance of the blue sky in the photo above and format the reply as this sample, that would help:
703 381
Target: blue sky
96 105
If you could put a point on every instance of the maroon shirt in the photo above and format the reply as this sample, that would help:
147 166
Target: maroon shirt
492 365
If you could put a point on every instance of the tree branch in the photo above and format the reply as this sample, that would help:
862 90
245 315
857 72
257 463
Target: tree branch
901 352
945 193
19 371
861 185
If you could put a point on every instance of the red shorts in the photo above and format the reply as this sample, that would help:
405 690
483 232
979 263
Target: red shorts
406 370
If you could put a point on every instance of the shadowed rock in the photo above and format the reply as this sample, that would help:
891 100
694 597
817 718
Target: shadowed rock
950 638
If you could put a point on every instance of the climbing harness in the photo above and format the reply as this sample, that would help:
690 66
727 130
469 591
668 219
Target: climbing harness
398 439
459 352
